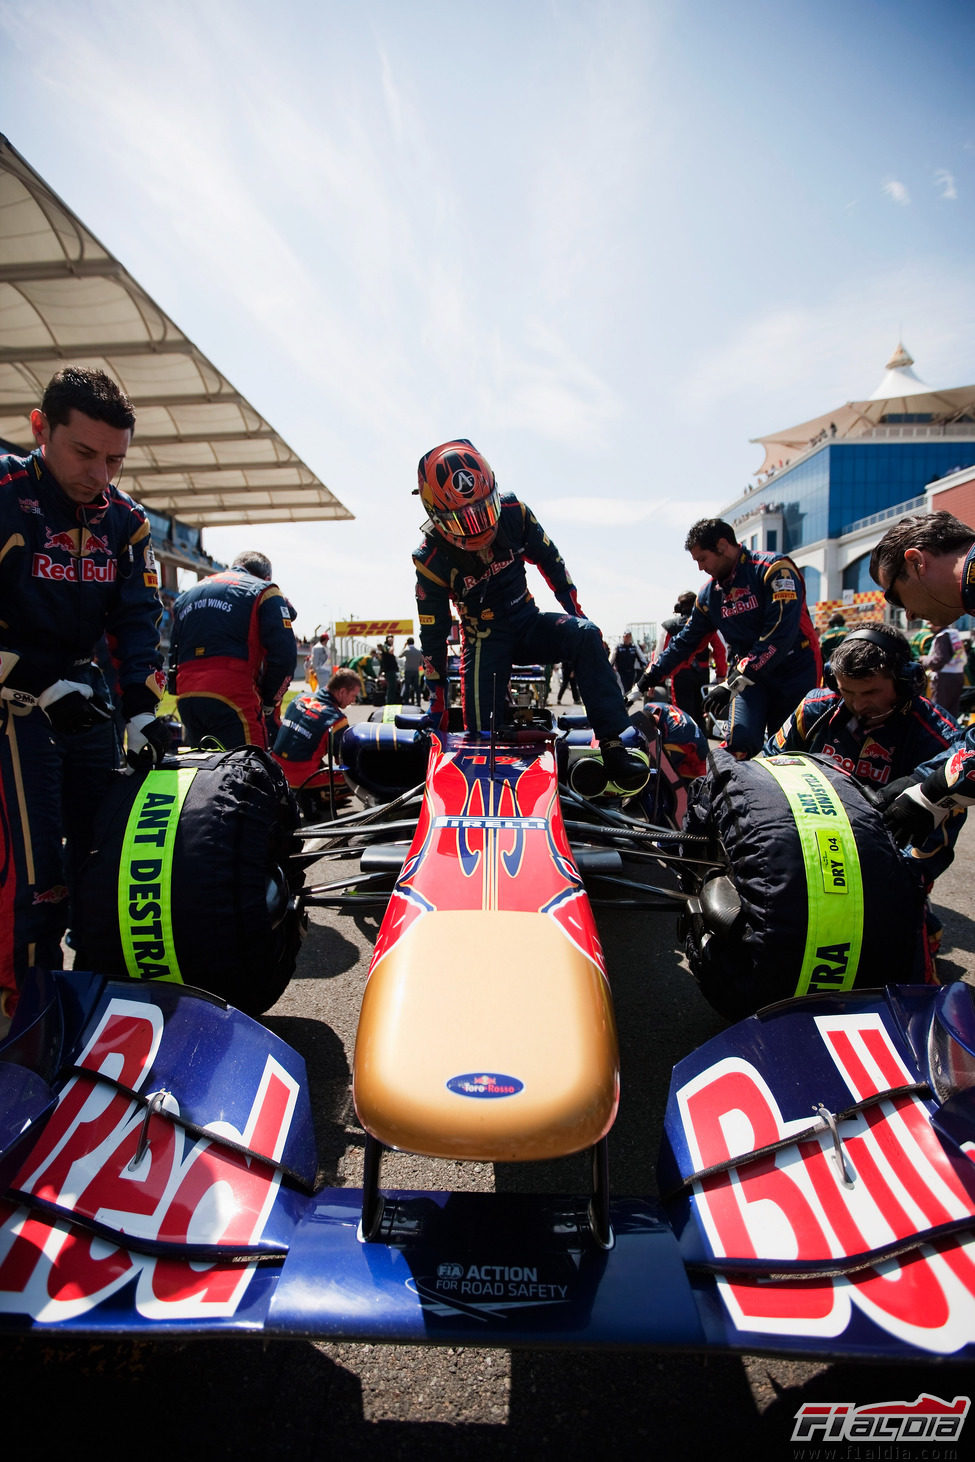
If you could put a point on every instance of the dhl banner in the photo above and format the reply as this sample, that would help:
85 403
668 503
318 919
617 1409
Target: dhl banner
370 629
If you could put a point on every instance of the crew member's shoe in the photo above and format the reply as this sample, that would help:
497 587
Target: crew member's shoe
627 763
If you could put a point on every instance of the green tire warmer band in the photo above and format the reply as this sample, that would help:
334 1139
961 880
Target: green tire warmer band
834 884
145 913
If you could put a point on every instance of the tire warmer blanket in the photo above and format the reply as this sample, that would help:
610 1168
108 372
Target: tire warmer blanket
145 912
834 884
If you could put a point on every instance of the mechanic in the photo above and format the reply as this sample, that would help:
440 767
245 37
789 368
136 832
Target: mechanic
235 653
567 682
475 546
925 565
627 659
412 664
835 634
945 663
367 669
76 564
318 661
389 666
307 738
872 720
687 681
757 601
921 641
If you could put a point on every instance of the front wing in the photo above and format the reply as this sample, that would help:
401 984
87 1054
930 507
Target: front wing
159 1168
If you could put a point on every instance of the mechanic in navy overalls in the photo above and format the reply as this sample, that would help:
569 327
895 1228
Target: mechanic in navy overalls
925 565
309 734
475 546
235 654
757 602
872 720
76 564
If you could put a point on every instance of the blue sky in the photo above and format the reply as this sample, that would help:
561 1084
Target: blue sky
608 241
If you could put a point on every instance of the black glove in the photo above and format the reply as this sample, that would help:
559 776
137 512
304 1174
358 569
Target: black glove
716 700
912 810
72 707
884 796
147 741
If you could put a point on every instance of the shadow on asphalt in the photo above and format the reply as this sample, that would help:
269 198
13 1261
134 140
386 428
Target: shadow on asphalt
329 1080
326 953
243 1400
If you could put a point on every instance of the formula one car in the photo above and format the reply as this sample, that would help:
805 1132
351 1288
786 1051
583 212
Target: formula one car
159 1168
780 869
781 872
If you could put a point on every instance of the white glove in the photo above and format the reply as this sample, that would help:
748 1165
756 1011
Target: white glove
146 740
61 688
72 707
913 810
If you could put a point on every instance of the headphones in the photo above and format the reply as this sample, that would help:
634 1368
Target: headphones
897 660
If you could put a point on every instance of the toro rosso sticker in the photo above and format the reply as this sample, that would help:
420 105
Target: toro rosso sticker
485 1084
796 1204
179 1189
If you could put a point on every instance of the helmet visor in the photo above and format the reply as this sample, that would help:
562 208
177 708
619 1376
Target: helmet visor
471 520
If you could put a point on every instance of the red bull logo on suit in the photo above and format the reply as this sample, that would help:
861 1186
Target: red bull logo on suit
82 547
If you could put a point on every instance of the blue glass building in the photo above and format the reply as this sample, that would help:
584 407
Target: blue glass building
829 487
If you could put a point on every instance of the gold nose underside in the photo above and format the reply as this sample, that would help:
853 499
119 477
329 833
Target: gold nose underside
496 994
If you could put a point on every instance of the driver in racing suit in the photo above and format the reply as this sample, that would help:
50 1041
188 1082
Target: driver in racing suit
475 547
757 601
76 564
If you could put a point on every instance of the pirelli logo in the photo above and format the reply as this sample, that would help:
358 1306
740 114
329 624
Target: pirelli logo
498 824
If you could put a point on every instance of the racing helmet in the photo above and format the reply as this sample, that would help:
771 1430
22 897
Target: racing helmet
458 490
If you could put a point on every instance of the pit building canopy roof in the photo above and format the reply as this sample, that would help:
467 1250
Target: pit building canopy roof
201 452
901 394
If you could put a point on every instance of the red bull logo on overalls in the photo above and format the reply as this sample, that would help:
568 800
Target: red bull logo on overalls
82 546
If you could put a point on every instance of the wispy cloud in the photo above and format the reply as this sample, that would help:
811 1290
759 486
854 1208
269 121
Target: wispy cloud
897 192
946 182
619 512
788 364
772 346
